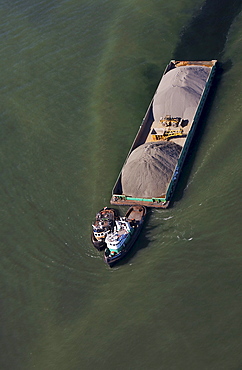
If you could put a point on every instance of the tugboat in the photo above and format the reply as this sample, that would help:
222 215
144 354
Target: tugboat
103 225
126 230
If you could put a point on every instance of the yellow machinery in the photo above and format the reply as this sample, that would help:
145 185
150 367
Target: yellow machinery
158 134
168 127
170 121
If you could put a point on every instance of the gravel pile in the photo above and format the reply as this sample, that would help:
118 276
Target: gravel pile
179 92
149 168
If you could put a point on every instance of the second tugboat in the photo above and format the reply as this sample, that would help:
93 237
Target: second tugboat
104 224
126 231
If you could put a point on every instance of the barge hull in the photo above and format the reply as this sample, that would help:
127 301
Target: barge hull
148 130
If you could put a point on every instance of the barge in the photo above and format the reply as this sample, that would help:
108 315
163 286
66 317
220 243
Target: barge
153 165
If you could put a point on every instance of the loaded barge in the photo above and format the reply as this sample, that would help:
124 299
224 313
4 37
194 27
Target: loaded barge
153 165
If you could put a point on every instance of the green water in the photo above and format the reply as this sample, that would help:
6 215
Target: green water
76 80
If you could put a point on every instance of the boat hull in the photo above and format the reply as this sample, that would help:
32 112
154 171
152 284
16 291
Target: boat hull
98 244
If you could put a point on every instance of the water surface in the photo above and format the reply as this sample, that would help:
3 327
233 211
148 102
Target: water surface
76 80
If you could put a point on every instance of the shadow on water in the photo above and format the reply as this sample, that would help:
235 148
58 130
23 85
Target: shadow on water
205 37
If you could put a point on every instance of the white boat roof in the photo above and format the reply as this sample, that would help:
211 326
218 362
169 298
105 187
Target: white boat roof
179 92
